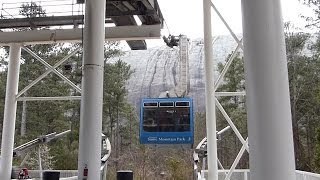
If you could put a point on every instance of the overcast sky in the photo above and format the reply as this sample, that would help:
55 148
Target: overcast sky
186 16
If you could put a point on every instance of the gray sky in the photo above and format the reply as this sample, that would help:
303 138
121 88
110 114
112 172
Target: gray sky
186 16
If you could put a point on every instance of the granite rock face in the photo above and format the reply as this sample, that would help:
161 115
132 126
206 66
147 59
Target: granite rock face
156 69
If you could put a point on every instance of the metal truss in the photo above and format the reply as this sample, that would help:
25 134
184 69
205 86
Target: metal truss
229 61
50 69
244 142
268 107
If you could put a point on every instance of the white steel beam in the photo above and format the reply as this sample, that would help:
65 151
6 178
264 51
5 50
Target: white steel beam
210 94
61 98
10 108
230 94
40 162
89 158
267 87
75 35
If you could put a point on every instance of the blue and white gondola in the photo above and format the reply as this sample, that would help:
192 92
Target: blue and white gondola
166 121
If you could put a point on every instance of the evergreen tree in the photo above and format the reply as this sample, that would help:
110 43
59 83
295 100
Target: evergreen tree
116 75
304 85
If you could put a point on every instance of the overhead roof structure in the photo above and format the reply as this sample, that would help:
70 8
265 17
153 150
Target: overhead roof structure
148 12
118 12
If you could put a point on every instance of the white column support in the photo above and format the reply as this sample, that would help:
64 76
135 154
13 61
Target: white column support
40 161
50 69
233 127
230 94
267 87
10 108
92 91
245 175
210 94
61 98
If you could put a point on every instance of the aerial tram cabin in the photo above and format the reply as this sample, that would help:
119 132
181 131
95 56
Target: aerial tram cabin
166 121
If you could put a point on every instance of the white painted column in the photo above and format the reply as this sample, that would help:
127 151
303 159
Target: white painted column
40 161
267 87
210 94
92 90
10 112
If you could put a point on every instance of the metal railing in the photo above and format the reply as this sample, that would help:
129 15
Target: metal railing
244 174
302 175
40 8
238 174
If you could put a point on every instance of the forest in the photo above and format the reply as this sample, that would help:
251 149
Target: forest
121 119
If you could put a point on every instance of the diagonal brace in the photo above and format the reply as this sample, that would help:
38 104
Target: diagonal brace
227 65
221 166
50 69
236 161
226 24
236 131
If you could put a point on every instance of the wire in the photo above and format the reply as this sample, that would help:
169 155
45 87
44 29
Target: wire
82 26
82 31
165 22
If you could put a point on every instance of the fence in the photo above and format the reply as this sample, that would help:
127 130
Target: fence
40 8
